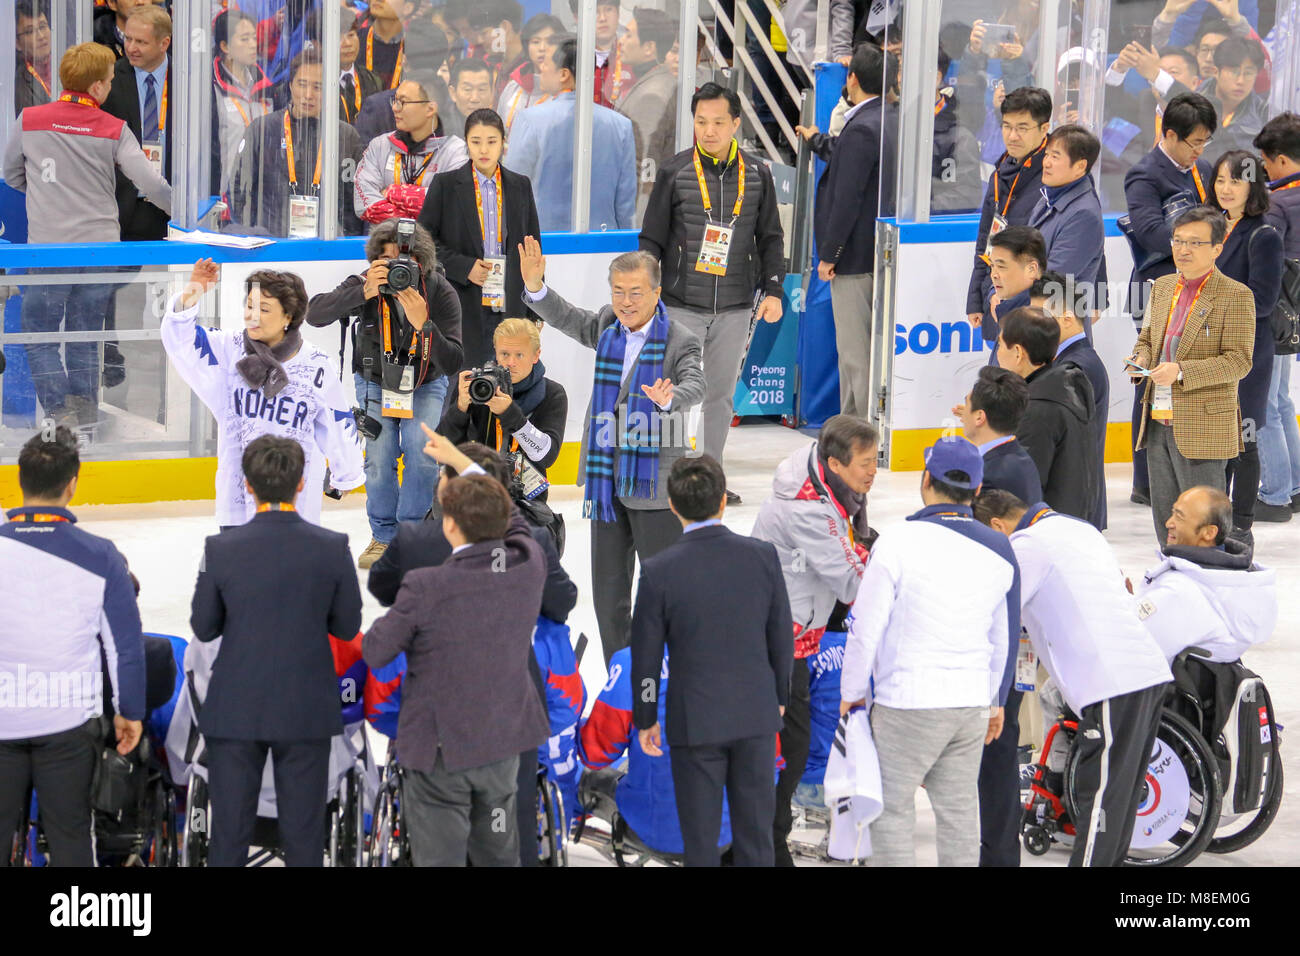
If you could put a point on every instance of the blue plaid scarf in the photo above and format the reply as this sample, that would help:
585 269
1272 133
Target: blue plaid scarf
638 433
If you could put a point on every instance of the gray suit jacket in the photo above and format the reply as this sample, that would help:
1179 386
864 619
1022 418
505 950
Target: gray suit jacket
682 367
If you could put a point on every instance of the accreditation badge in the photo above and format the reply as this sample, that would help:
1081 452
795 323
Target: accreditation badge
154 153
1162 405
1026 665
494 286
996 225
401 404
714 250
304 215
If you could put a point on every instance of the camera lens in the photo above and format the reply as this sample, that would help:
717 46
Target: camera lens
481 389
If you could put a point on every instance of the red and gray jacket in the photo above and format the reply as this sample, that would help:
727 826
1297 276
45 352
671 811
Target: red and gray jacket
392 159
65 156
821 559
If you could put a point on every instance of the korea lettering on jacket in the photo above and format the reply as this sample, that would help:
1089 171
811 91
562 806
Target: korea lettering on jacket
312 409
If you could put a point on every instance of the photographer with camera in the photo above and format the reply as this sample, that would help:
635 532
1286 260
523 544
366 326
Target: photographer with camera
512 407
406 342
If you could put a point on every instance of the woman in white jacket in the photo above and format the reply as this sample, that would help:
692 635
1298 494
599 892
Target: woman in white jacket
265 380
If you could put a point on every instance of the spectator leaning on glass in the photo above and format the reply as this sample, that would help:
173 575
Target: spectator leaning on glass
541 148
1168 180
273 687
32 79
241 91
276 185
523 419
264 380
1189 359
647 378
141 95
1279 439
397 167
64 156
469 704
712 223
69 607
1012 193
406 342
478 216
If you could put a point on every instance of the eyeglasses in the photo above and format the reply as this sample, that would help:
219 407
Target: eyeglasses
401 104
633 297
1022 130
1189 243
1199 146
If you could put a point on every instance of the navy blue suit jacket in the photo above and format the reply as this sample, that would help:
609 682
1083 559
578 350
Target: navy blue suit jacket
848 193
274 590
1008 467
1153 180
717 601
1026 177
1082 354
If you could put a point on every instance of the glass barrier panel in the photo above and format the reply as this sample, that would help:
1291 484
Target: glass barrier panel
83 348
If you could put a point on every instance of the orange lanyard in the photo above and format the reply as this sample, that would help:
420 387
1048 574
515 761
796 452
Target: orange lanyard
940 106
478 201
704 189
80 98
1232 224
288 151
1038 517
618 72
1196 176
514 105
399 169
388 328
38 518
1012 191
401 58
1287 186
275 506
1227 120
514 444
32 70
233 99
356 97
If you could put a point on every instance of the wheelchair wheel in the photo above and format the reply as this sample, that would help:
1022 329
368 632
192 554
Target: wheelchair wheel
388 844
1179 807
1241 830
551 850
164 849
194 837
347 824
1036 840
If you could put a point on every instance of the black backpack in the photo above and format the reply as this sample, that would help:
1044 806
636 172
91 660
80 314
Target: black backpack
1286 317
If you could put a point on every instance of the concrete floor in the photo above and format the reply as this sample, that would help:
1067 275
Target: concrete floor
164 542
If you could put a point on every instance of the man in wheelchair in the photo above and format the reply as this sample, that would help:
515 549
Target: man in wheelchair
1207 592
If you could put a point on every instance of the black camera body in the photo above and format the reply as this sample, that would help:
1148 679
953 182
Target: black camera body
485 380
403 271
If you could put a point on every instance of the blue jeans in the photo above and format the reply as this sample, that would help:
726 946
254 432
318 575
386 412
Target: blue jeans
386 502
1279 439
77 308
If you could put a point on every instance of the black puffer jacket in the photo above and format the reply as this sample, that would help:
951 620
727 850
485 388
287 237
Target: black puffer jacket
1055 433
674 223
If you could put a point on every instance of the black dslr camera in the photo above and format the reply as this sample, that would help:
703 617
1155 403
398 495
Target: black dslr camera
484 382
403 271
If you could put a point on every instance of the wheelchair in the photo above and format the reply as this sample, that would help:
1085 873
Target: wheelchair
389 845
1184 809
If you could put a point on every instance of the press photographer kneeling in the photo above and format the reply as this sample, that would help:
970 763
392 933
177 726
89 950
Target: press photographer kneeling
406 342
512 407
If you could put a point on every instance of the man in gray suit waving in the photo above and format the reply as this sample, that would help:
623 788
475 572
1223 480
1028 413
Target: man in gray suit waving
648 377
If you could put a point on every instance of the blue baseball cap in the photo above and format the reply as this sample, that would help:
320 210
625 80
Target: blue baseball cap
954 453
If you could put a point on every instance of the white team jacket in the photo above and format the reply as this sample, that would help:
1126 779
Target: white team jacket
1226 611
1081 619
930 618
312 409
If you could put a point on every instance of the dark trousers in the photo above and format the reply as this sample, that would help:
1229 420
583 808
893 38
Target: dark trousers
796 736
526 807
60 766
456 815
301 769
1243 476
1141 482
615 546
70 308
999 785
1114 740
744 768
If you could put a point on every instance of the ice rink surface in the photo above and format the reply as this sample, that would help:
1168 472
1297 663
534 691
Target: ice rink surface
164 543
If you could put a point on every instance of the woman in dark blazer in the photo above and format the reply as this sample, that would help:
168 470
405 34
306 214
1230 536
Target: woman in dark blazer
451 214
1252 254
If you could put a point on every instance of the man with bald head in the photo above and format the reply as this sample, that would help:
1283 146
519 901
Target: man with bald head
1207 592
